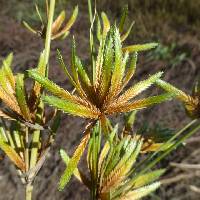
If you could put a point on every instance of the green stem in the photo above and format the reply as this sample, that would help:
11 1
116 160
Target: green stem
90 10
48 33
26 149
149 165
35 147
174 146
28 192
91 39
150 157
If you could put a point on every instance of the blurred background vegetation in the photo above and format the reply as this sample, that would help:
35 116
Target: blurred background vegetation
175 24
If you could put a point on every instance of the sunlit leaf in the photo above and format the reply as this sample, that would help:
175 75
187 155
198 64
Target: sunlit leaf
141 192
58 22
170 88
139 87
106 24
70 107
140 47
125 35
73 162
21 97
11 153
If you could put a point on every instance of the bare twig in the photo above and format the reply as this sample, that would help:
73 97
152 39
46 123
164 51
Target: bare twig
186 166
195 189
179 177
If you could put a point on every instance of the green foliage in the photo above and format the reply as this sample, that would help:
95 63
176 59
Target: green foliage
73 162
110 168
115 165
112 72
58 29
167 54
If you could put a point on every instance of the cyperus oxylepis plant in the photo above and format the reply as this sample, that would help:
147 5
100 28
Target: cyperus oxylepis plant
101 91
101 94
58 30
112 168
23 115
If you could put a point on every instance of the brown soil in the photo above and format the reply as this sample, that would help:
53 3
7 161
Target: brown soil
26 49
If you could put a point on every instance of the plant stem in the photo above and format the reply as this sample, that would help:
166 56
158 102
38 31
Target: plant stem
28 192
26 149
91 17
35 144
150 157
35 147
48 33
174 146
90 11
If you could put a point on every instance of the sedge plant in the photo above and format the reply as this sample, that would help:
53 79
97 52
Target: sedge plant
101 91
111 167
119 161
26 129
103 96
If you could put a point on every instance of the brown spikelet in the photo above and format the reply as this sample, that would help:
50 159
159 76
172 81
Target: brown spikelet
113 180
10 102
12 154
192 106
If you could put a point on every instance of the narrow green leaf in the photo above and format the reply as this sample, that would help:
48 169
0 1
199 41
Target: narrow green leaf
99 29
123 18
118 70
52 87
107 67
105 150
130 150
147 178
130 120
139 87
142 103
12 154
131 70
72 19
73 62
84 77
7 68
21 97
125 35
69 24
140 47
38 13
29 27
170 88
58 22
5 83
36 90
139 104
141 192
78 174
73 162
71 108
106 24
64 67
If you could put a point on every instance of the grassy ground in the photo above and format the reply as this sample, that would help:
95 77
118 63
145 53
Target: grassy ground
175 24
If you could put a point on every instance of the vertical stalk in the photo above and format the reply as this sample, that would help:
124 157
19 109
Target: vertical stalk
48 33
36 134
91 39
26 149
28 191
35 144
34 148
90 10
